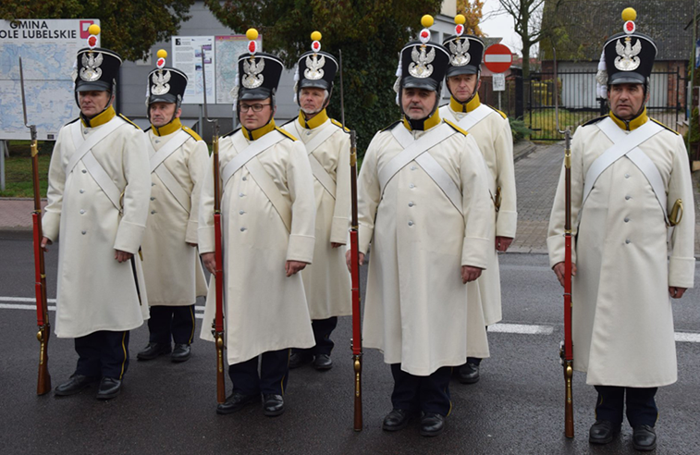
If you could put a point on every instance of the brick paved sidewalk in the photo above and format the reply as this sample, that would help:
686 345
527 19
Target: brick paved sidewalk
536 177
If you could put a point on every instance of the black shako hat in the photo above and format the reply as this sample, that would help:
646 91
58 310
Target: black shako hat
316 68
466 51
165 84
422 63
97 68
258 73
629 56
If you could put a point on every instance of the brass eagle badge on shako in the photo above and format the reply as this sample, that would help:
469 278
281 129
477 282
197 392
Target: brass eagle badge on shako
91 70
165 84
466 51
628 56
459 50
252 73
95 68
421 65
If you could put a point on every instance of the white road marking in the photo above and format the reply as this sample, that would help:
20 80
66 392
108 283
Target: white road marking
688 337
522 329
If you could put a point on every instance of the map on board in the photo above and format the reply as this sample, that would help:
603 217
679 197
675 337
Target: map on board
228 48
48 50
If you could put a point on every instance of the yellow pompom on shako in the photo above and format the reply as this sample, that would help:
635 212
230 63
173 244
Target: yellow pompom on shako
629 14
161 54
252 35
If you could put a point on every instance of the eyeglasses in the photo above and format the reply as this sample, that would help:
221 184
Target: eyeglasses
254 107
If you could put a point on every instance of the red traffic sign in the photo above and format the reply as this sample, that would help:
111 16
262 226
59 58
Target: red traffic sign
498 58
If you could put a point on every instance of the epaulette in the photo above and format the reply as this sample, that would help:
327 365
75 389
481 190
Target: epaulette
286 133
594 121
661 124
502 113
191 132
148 129
339 125
391 127
456 128
231 133
129 121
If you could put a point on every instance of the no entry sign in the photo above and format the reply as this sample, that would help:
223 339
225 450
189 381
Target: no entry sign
498 58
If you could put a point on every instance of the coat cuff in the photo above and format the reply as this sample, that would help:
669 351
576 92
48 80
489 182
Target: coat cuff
205 240
129 237
364 234
681 272
557 249
50 223
339 229
475 252
506 224
191 233
301 248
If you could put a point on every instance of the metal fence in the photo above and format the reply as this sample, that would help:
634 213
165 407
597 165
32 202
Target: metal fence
578 101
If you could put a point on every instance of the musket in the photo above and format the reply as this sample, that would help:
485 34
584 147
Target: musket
42 312
566 351
218 324
354 264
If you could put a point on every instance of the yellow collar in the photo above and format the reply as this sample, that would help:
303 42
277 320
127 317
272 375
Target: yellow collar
631 125
317 120
260 132
100 119
465 107
425 124
168 128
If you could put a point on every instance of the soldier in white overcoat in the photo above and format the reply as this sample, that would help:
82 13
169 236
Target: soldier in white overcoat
97 206
326 282
633 246
491 130
268 237
172 268
423 205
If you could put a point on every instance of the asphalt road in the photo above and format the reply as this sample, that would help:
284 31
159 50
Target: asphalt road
166 408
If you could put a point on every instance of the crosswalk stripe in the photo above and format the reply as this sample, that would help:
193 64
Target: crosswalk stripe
501 327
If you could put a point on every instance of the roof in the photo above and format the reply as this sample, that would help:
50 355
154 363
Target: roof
585 25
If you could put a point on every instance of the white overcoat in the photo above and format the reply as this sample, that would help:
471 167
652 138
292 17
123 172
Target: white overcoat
327 281
416 303
94 291
172 268
622 318
265 310
495 141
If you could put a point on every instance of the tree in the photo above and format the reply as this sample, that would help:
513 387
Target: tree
471 9
370 34
129 28
527 16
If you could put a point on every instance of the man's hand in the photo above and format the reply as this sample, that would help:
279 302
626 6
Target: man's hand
193 245
676 293
209 260
336 244
502 243
349 262
470 273
122 256
45 241
292 267
559 271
